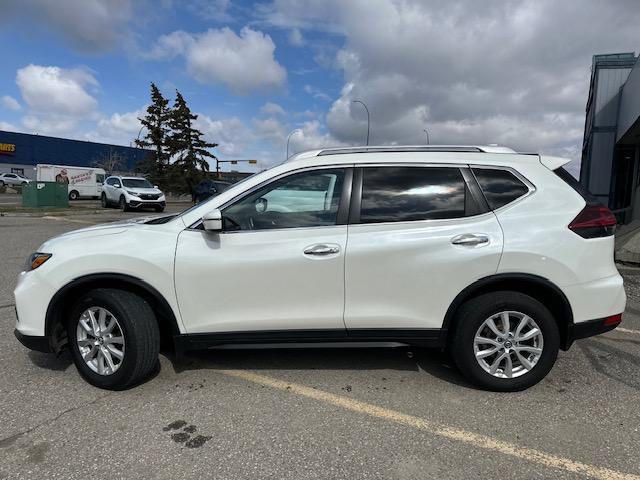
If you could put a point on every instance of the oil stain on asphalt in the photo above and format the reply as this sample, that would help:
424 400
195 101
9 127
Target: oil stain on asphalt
184 435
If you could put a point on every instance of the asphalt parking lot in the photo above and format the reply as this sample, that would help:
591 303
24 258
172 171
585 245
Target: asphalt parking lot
313 413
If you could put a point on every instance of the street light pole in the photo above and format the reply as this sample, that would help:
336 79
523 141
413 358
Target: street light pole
365 107
289 138
427 132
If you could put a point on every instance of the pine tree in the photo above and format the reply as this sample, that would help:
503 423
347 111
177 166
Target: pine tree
156 125
187 148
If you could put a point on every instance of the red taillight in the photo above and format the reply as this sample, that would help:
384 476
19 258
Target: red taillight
594 221
612 320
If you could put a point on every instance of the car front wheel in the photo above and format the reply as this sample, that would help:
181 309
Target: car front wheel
114 338
505 341
103 201
124 206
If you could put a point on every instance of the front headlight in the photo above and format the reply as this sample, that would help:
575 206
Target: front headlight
35 260
132 193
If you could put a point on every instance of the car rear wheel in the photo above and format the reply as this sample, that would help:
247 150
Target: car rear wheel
505 341
73 195
114 338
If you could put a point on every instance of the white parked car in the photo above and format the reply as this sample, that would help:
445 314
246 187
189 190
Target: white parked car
499 257
132 192
13 179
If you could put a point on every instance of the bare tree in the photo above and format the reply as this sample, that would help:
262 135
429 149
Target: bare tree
111 161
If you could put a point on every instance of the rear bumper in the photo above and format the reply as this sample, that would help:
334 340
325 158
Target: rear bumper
34 342
590 328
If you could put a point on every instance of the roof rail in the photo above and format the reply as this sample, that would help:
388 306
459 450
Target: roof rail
417 148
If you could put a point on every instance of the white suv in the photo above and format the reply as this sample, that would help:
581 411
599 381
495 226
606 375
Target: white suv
131 192
498 257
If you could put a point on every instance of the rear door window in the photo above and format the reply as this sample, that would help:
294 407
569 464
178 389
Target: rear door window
401 194
500 187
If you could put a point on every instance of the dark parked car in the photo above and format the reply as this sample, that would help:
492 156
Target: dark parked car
209 188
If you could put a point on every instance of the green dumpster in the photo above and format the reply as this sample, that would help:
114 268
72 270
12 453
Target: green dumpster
45 194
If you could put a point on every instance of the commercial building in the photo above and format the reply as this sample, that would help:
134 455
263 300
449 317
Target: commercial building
611 147
21 152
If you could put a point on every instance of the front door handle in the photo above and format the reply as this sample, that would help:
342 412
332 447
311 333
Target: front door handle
470 239
321 249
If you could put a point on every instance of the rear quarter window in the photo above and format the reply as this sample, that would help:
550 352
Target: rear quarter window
500 187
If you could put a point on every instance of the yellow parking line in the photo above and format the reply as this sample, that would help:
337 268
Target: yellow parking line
451 433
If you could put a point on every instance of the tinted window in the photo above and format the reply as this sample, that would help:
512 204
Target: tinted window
307 199
111 181
399 194
499 186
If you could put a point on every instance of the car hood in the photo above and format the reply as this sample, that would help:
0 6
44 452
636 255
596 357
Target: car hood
152 191
95 231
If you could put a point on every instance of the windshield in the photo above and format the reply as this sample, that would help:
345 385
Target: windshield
136 183
198 205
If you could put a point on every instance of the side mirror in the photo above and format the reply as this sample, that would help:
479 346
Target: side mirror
212 221
155 186
116 185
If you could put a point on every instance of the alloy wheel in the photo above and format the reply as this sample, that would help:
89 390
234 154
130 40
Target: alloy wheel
508 344
100 340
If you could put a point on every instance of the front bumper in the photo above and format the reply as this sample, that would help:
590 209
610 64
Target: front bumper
134 203
34 342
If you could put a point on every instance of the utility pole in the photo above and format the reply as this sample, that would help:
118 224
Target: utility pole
427 132
289 138
368 120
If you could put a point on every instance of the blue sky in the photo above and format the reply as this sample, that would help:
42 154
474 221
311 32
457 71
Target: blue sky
514 73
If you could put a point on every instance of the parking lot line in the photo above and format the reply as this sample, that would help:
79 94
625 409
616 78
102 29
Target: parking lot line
67 219
626 330
441 430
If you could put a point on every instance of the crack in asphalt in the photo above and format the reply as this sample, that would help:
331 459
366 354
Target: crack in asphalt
7 441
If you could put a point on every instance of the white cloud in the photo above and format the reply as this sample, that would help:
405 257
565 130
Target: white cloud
57 90
230 134
515 73
89 25
11 103
315 92
295 38
8 127
118 128
244 63
271 108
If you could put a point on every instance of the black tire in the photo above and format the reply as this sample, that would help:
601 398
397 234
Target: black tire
159 209
73 195
124 206
471 315
140 331
103 201
1 183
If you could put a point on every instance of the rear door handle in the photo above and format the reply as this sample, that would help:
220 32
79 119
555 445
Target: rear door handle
470 239
320 249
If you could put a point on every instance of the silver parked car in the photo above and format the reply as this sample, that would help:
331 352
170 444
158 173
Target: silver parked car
13 179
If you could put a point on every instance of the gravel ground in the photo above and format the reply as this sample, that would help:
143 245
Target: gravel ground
312 413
